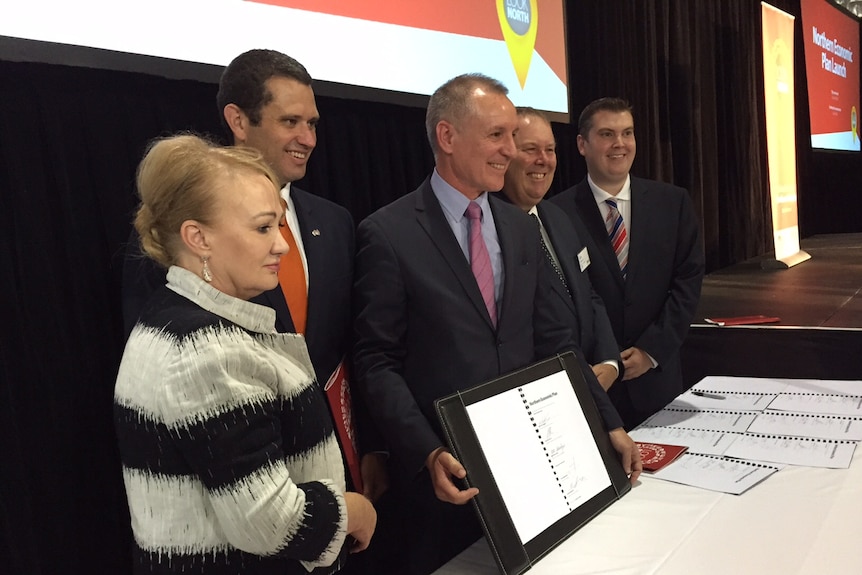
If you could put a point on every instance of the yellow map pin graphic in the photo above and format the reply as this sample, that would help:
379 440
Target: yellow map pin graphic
519 20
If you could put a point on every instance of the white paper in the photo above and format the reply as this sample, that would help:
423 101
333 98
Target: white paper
707 420
724 401
540 450
817 403
767 385
715 473
697 440
808 425
793 450
728 384
831 386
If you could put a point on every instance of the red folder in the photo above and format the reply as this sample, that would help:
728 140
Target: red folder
337 390
654 456
743 320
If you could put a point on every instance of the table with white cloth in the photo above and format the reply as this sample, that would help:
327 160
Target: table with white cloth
800 520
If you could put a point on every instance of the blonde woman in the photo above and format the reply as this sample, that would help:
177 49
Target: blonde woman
229 456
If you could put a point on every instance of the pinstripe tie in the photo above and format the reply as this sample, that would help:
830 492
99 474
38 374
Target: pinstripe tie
617 234
480 261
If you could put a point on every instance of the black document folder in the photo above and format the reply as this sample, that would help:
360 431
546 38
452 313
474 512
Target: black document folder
533 443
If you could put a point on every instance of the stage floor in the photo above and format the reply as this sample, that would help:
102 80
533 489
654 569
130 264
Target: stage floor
825 291
818 301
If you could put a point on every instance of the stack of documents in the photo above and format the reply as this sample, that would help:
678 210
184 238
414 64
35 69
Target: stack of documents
741 430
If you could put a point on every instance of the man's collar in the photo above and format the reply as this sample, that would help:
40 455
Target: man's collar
285 192
601 195
453 202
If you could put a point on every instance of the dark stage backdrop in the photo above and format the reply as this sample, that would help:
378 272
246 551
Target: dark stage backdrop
70 139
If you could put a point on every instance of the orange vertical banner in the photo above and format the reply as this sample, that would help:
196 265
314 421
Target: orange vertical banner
781 134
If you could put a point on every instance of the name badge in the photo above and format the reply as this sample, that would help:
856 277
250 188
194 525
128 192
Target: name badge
584 259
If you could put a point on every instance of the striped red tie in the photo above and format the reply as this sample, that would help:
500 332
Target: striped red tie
617 234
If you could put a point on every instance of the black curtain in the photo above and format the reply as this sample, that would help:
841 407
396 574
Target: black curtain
692 73
70 141
71 138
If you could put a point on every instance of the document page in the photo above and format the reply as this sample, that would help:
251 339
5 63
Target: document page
808 425
707 420
733 384
768 385
540 450
764 422
697 440
831 386
725 401
715 473
835 454
818 403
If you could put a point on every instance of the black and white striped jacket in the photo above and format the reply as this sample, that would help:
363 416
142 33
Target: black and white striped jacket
230 460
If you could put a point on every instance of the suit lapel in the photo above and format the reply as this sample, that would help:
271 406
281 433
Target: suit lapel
595 224
308 227
639 209
563 256
430 216
508 250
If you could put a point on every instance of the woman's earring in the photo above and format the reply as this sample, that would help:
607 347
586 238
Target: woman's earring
206 273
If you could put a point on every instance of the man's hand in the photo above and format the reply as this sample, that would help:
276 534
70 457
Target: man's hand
630 455
636 362
361 520
606 374
375 477
443 467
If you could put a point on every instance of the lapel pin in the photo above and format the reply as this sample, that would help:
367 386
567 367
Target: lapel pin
315 232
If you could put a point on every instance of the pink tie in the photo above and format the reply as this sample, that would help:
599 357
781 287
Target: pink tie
480 261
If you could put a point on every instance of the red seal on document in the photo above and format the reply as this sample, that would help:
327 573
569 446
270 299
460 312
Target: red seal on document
654 456
651 453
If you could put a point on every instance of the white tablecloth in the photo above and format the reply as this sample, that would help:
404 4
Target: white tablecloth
800 520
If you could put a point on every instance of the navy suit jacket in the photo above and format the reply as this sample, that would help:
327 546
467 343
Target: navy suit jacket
653 307
422 329
587 315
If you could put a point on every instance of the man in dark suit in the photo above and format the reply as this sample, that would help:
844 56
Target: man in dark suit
651 284
267 102
452 291
528 179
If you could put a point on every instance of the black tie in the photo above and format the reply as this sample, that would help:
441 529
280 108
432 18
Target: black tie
549 256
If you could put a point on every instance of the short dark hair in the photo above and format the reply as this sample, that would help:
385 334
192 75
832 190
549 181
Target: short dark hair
243 82
585 120
451 101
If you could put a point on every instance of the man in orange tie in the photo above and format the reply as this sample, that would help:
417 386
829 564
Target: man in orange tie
267 102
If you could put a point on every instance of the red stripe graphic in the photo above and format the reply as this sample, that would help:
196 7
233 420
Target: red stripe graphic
466 17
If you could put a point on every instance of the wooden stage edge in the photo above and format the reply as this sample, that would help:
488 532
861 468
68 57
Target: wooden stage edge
819 303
